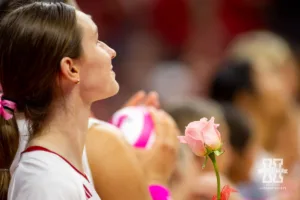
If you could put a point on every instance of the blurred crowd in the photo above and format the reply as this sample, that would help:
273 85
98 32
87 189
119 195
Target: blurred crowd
236 60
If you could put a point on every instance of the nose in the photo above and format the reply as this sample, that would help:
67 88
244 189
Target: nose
110 51
113 53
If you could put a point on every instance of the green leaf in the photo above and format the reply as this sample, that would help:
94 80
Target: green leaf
204 164
218 152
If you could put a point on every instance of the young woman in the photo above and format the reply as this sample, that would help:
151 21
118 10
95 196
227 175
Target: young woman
116 171
256 88
260 78
51 68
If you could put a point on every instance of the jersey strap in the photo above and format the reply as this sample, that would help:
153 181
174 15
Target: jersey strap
39 148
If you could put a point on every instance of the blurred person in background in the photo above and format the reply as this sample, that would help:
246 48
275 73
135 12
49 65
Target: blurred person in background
243 154
270 53
254 78
276 52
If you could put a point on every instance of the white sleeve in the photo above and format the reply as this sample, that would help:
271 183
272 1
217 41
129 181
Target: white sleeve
48 188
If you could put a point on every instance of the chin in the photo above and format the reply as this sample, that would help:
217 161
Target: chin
111 91
115 89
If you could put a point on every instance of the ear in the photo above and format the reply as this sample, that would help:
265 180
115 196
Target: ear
69 70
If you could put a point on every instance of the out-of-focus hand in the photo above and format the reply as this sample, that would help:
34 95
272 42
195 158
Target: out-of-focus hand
141 98
159 161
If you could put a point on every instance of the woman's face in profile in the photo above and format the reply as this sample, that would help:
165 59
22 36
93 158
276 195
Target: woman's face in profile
271 95
97 79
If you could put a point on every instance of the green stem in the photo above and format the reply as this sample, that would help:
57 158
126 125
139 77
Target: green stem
214 161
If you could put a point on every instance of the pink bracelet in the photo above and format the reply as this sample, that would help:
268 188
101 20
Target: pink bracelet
159 192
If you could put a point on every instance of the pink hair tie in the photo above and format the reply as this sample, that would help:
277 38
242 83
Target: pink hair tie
159 192
6 104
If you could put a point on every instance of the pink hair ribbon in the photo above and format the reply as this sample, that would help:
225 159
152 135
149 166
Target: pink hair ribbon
6 104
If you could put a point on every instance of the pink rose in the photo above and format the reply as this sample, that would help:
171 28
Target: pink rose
202 136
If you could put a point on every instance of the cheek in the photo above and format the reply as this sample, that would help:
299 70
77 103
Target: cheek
271 91
96 68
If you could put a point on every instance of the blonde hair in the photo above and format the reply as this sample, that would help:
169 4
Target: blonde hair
260 46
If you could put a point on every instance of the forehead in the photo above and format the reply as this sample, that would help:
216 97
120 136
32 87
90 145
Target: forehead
85 21
265 65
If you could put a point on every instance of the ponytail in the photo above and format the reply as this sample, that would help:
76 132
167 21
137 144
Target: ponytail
9 142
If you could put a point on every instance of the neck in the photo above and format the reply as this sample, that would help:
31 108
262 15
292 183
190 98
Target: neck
65 132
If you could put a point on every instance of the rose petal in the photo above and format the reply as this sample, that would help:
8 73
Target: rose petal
202 123
218 133
210 136
197 146
193 131
204 119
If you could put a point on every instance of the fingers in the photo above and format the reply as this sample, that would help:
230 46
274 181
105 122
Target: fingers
171 130
141 98
152 99
158 121
166 129
163 154
136 99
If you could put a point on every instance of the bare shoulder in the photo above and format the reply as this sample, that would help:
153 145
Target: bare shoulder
113 162
101 127
106 137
